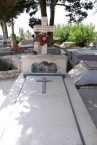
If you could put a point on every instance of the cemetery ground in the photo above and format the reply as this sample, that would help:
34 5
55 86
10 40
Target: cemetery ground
87 93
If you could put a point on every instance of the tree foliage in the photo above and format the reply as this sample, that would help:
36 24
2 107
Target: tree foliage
77 10
12 8
80 34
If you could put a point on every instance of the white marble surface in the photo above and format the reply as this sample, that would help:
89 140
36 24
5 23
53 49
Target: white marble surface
9 92
42 119
86 125
59 60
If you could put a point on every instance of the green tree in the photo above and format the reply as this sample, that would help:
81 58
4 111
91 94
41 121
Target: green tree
10 9
73 7
80 34
77 11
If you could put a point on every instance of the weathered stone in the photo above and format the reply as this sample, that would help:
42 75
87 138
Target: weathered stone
52 67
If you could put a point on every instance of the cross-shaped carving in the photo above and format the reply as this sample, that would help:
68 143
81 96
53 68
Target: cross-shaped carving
44 81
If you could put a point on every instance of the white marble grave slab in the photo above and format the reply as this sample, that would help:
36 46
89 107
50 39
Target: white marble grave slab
42 119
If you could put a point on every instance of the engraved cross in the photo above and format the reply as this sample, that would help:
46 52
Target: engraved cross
44 81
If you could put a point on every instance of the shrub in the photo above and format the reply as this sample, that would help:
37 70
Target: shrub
5 66
79 34
82 34
62 32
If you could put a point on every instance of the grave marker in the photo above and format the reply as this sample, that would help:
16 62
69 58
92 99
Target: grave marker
43 29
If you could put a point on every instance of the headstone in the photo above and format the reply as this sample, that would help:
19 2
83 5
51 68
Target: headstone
43 29
26 45
28 60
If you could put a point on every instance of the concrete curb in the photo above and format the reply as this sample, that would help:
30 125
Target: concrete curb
87 128
6 107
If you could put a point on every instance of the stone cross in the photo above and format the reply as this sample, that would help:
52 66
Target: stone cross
44 81
43 29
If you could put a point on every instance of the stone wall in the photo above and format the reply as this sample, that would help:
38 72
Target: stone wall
9 74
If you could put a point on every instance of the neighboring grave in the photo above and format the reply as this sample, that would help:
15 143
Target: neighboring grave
85 73
85 54
5 51
43 29
67 44
26 45
53 51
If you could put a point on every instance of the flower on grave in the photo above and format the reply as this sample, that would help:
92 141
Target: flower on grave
43 39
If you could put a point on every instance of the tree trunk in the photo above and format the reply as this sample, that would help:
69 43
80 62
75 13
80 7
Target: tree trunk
52 16
5 32
2 26
43 8
14 44
12 26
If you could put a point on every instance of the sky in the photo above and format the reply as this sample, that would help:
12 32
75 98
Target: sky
23 20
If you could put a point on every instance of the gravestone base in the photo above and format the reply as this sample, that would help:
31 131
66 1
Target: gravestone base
44 49
36 46
40 49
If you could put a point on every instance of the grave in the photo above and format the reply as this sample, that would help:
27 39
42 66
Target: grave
85 54
38 112
26 45
85 73
42 29
44 107
53 51
5 51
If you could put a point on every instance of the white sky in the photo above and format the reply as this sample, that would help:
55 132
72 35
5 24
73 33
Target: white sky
60 18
